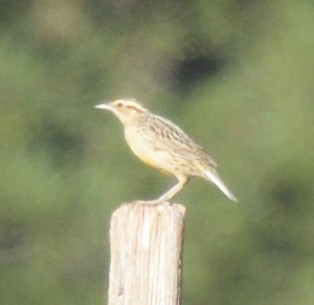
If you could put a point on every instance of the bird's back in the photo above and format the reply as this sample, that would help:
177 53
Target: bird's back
164 145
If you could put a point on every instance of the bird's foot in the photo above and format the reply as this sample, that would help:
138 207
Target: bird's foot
151 202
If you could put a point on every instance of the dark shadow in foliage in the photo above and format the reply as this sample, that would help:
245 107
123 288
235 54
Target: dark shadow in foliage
64 146
195 69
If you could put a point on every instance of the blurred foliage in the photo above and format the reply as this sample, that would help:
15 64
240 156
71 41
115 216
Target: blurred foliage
237 74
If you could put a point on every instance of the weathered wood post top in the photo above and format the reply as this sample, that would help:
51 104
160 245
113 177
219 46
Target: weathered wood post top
146 254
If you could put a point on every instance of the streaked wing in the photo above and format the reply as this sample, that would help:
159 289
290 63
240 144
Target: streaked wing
200 155
172 137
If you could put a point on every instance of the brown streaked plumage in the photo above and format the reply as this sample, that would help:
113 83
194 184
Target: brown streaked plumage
163 145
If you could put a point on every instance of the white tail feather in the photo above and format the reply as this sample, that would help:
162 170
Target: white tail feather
214 178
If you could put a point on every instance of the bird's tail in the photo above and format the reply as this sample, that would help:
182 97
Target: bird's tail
213 177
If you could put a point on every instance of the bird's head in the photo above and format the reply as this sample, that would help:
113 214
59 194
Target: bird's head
127 110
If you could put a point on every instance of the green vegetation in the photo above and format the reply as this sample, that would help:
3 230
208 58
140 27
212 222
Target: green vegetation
236 75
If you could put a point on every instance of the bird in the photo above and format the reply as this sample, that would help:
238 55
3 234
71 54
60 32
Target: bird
163 145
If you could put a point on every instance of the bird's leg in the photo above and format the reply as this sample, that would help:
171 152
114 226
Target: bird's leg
168 195
174 190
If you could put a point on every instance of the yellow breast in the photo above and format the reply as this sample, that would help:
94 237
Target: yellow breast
144 150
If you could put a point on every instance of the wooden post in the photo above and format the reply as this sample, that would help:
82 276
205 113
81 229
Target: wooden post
146 255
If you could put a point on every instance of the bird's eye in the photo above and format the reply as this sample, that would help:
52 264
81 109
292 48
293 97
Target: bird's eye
119 105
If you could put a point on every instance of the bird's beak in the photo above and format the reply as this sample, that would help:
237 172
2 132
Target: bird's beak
104 106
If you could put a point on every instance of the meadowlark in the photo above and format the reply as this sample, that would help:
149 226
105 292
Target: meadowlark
163 145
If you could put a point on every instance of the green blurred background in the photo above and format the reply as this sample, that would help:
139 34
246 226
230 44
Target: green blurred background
237 75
